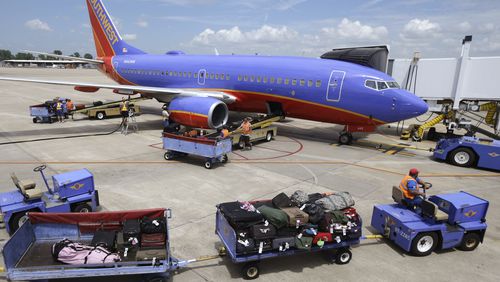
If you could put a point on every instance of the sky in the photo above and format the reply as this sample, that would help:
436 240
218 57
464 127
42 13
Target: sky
279 27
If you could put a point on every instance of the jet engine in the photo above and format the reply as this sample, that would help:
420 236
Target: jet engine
199 112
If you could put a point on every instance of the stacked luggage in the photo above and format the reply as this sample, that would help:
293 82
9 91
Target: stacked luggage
299 221
133 240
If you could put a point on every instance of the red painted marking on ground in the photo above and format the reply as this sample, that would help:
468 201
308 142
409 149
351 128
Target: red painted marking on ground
240 155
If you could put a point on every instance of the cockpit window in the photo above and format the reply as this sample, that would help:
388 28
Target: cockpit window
371 84
393 84
382 85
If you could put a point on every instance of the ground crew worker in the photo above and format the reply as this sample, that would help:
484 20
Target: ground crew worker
69 104
224 132
124 107
246 130
166 116
410 187
59 111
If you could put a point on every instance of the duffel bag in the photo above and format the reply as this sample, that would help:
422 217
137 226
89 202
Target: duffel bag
337 201
69 252
299 198
352 214
315 213
262 231
333 218
326 237
287 232
303 243
276 217
282 201
153 225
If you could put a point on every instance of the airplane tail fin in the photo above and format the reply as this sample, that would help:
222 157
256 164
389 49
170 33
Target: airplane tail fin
108 41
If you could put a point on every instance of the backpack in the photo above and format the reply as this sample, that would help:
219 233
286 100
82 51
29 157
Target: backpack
66 251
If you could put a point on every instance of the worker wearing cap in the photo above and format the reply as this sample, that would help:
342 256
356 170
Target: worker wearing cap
410 187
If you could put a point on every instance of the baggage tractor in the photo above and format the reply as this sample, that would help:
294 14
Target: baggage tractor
105 239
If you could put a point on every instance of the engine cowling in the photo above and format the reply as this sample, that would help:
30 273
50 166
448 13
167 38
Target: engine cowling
199 112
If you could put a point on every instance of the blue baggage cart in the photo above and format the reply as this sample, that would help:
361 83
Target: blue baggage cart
27 254
42 113
250 270
212 149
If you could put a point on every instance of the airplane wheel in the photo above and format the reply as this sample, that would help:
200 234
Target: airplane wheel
463 157
469 242
345 138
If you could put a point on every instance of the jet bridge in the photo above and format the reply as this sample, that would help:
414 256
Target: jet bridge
456 89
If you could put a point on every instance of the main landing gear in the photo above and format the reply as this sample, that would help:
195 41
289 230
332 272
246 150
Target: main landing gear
345 138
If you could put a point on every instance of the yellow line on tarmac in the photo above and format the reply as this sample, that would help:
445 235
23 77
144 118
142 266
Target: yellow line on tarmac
291 162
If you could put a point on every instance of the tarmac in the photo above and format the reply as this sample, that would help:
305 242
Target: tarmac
131 173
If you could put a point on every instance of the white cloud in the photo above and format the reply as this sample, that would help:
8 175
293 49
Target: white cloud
130 37
85 25
142 23
189 2
37 24
234 35
417 28
354 29
464 26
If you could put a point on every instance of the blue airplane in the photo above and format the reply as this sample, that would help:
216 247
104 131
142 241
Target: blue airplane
202 89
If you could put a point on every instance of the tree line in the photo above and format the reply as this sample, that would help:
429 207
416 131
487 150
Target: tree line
7 55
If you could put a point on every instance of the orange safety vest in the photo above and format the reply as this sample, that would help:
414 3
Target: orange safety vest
246 128
69 105
58 106
404 187
225 133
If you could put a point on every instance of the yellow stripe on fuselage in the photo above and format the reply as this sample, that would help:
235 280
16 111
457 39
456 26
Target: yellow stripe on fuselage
188 113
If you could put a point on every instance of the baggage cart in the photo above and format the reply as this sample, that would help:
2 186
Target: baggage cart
214 150
27 254
42 113
250 269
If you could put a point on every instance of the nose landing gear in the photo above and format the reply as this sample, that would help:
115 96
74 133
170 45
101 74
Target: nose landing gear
345 138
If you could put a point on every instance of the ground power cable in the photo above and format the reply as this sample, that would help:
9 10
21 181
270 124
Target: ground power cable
62 137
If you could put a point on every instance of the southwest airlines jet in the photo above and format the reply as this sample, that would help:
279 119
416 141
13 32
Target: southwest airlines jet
202 89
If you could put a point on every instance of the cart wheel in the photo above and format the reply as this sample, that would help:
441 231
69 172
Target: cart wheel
17 220
50 119
269 136
157 278
224 159
82 208
100 115
34 120
424 243
250 271
344 256
168 156
469 242
222 251
208 164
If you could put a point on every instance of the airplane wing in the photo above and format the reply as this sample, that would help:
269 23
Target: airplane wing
154 92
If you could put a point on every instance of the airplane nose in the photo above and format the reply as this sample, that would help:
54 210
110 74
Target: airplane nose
410 106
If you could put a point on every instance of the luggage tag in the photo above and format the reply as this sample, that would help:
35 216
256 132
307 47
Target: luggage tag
261 246
331 228
297 223
156 223
287 246
338 239
125 253
266 223
344 231
244 243
303 207
299 236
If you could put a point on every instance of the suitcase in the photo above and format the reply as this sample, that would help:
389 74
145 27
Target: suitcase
131 229
296 217
105 239
323 236
152 240
287 232
282 201
153 225
263 245
315 213
245 246
239 218
283 244
151 254
262 231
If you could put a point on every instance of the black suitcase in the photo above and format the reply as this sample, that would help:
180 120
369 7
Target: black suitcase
262 231
287 232
239 218
263 245
282 201
245 246
283 244
131 230
105 239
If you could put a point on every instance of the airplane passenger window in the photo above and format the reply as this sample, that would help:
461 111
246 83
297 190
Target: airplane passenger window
279 80
175 73
287 81
189 74
382 85
171 73
302 82
227 77
271 80
318 83
252 78
294 82
184 74
239 77
309 83
216 76
393 84
264 79
222 76
245 78
212 76
258 79
371 84
195 75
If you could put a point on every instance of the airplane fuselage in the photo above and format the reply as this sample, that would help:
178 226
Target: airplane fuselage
308 88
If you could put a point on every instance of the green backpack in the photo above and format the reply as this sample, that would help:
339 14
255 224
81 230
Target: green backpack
276 217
